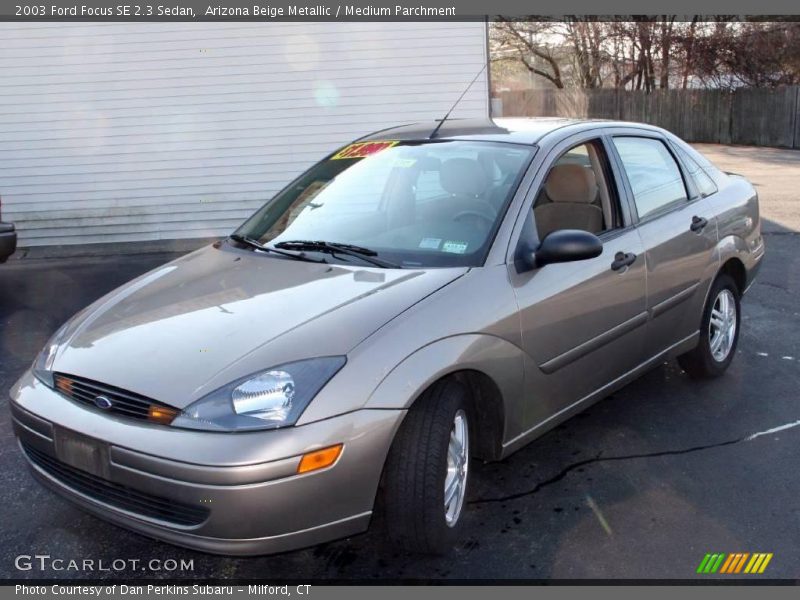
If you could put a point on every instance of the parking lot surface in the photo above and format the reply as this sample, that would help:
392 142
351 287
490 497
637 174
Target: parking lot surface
641 485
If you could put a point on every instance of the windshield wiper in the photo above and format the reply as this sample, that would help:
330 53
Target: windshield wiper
333 248
243 239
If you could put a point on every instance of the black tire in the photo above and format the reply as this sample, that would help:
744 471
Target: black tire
700 362
416 469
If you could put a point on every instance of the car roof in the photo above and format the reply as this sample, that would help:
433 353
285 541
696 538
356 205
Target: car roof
516 130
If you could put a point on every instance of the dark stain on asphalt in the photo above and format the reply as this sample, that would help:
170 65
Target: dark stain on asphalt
471 544
598 459
336 557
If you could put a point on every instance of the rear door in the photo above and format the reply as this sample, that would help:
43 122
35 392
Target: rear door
678 233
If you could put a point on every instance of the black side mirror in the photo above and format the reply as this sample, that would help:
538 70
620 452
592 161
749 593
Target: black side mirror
563 245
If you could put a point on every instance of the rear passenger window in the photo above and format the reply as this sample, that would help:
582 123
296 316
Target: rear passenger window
705 185
652 172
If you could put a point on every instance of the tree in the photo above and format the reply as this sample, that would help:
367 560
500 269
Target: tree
754 54
651 52
523 41
586 38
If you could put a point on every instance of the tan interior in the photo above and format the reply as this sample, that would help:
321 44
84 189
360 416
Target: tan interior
572 190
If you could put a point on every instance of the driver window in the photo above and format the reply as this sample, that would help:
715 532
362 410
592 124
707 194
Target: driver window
576 194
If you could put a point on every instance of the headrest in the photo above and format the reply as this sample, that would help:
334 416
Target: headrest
486 160
571 183
462 176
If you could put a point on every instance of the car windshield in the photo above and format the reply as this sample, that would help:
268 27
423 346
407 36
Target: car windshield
411 204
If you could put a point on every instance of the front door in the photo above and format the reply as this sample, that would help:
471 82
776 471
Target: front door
582 322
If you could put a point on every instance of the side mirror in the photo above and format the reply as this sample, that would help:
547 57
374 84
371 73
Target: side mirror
563 245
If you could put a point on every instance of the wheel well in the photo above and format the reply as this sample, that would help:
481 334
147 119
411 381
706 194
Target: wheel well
486 403
735 268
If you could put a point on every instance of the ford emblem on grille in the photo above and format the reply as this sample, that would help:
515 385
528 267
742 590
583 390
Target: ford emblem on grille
102 402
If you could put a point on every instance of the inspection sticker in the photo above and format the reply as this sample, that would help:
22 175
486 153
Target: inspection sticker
454 247
364 149
430 243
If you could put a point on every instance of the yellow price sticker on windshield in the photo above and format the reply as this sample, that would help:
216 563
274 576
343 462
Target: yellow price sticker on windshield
363 149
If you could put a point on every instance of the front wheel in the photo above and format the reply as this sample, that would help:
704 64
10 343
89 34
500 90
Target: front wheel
427 470
719 332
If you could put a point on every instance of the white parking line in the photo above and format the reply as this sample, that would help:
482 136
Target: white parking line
773 430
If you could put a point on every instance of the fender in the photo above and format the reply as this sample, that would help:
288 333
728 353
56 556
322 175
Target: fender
739 225
731 245
495 357
735 246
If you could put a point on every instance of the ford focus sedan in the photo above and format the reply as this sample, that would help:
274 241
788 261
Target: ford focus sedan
419 299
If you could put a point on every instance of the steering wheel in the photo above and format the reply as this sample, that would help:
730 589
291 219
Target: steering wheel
484 211
474 213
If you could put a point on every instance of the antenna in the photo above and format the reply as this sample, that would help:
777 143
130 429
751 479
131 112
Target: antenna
464 93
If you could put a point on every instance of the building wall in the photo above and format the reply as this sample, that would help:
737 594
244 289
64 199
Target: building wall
131 132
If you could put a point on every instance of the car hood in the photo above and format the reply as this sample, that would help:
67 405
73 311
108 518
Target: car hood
218 314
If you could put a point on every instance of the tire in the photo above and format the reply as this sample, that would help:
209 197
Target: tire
419 466
713 355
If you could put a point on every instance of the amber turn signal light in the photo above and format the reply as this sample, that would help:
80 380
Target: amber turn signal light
65 385
161 414
319 459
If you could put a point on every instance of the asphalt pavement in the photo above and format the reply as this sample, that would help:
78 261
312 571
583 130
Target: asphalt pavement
641 485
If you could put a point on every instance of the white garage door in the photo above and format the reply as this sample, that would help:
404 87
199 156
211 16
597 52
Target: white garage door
123 132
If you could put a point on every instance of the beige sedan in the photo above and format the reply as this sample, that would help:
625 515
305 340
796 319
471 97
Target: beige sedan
410 303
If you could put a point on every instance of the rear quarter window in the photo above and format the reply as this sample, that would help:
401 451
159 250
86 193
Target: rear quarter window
705 184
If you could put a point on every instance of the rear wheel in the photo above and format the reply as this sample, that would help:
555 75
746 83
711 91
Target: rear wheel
427 470
719 332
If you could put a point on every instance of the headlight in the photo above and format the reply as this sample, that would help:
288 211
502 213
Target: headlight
266 400
43 365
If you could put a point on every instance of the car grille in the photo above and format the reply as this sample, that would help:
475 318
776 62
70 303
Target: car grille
121 402
114 494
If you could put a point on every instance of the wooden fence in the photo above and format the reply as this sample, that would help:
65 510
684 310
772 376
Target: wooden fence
749 116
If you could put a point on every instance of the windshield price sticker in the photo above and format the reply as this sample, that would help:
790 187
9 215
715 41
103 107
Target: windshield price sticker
364 149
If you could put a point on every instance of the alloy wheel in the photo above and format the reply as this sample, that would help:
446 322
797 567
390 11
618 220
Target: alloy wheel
455 482
722 325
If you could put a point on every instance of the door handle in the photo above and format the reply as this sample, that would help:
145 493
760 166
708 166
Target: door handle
622 260
698 223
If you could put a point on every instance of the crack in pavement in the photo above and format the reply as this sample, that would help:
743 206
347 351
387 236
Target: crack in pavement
599 458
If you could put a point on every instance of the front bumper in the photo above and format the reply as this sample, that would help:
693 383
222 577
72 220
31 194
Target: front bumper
246 486
8 241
